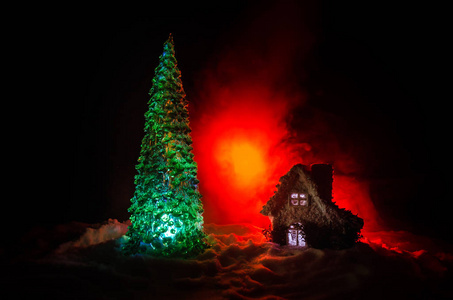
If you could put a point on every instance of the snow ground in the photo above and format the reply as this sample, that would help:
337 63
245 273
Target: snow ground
240 265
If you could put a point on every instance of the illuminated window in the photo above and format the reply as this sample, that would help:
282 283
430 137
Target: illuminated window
299 199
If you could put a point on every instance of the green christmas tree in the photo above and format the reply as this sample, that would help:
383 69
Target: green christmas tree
166 210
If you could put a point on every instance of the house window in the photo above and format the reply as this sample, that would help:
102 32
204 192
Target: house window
295 236
298 199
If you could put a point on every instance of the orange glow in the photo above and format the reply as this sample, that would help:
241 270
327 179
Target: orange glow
247 162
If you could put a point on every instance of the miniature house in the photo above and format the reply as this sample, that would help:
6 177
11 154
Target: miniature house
302 212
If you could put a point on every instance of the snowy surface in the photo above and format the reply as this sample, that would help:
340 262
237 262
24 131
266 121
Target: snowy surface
240 265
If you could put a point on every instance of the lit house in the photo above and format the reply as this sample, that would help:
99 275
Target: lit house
302 212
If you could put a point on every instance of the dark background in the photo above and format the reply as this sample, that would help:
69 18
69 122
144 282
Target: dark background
85 74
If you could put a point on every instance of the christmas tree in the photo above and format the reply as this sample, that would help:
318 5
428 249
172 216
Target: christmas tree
166 210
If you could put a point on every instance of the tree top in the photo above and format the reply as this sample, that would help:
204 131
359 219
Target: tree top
170 39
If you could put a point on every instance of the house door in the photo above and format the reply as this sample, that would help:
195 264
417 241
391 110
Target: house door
295 236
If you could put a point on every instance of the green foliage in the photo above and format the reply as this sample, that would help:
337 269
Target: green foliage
166 210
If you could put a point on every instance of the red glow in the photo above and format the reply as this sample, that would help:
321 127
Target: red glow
353 194
240 155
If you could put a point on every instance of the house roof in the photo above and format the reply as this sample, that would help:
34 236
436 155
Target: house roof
297 179
321 209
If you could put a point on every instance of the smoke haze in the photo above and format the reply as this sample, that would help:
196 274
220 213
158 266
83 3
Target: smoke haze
252 122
